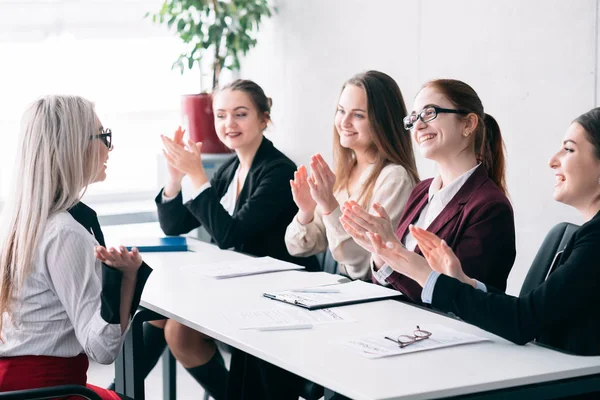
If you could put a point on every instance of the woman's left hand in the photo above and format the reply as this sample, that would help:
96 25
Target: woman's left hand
363 222
400 259
125 261
187 159
321 182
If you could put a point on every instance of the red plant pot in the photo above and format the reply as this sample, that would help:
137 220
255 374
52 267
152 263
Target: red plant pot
197 111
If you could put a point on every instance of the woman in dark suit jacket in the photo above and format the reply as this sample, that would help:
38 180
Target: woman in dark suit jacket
246 207
561 312
465 204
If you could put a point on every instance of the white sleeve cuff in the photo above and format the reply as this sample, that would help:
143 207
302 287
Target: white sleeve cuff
427 293
201 189
165 199
480 286
384 272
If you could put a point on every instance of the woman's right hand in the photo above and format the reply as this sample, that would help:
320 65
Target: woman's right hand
302 197
439 255
173 185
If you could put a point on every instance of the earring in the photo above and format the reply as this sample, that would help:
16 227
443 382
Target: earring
467 133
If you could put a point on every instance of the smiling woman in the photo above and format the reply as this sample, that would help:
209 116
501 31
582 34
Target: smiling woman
374 166
246 207
562 311
465 204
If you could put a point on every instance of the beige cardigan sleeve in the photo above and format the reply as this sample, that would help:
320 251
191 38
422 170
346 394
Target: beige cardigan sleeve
306 240
391 190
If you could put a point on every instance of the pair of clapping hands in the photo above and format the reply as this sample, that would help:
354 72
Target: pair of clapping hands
375 233
314 190
184 158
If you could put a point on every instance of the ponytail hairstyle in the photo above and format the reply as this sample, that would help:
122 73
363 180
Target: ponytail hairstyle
487 139
55 163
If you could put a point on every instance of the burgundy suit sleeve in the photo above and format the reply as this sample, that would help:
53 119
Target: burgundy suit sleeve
486 248
485 245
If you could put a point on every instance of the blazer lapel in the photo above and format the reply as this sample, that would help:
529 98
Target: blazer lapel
459 200
261 154
412 215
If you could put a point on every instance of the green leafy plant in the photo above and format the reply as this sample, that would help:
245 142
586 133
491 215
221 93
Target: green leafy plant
224 30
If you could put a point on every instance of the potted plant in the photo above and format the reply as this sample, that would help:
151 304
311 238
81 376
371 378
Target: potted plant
217 33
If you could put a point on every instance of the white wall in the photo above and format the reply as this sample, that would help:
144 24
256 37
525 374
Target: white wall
533 63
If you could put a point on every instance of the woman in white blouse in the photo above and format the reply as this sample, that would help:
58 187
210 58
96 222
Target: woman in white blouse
63 297
375 165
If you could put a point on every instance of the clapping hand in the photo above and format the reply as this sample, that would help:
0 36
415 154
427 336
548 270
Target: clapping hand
186 159
321 182
439 255
302 197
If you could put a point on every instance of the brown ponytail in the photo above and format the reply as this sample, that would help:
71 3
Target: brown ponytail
491 152
488 144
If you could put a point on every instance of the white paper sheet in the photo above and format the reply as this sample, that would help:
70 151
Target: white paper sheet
286 316
231 269
377 346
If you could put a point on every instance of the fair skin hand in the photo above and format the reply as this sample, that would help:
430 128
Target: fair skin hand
187 160
400 259
321 182
128 262
439 255
302 197
357 222
173 185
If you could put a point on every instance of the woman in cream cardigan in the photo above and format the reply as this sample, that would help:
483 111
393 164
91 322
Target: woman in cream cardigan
375 165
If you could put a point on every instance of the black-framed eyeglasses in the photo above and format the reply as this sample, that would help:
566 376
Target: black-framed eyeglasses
406 340
106 137
428 114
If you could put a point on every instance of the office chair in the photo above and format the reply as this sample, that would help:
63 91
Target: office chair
548 255
50 393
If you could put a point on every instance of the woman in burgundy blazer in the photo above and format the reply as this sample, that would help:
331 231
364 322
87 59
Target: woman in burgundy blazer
450 127
478 224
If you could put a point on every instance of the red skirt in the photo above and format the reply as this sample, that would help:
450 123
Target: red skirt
30 372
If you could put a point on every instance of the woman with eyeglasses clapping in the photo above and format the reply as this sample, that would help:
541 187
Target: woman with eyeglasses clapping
465 204
559 312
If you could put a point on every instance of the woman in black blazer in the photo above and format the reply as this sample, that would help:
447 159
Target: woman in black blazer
246 207
563 311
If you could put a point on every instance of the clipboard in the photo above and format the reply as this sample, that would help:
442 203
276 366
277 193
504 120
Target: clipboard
349 293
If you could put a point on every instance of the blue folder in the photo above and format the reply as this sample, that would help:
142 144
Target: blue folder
149 244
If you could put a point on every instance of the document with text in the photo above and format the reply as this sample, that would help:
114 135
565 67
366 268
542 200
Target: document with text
286 317
250 266
378 345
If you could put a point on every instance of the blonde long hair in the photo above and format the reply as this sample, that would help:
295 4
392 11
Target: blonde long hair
55 164
391 142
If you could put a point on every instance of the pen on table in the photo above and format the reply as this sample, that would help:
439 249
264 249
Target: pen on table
316 290
284 327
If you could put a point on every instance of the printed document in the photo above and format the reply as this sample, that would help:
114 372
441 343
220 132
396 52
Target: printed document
377 346
286 316
232 269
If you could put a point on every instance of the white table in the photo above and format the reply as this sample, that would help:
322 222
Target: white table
317 355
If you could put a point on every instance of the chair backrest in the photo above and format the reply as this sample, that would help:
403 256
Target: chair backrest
555 242
51 393
327 262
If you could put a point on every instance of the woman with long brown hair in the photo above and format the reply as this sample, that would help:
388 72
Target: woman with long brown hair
374 165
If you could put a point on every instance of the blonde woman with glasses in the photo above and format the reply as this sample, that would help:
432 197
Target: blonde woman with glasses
64 297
